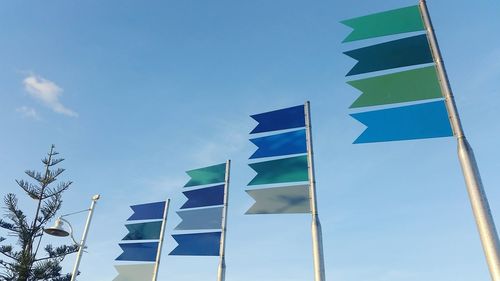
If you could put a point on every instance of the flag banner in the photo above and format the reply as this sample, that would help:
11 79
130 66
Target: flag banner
138 251
203 197
198 244
287 118
420 121
208 218
293 169
280 144
411 85
393 54
148 211
280 200
207 175
143 231
134 272
392 22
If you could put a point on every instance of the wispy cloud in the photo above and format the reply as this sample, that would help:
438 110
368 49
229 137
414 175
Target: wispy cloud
28 112
48 93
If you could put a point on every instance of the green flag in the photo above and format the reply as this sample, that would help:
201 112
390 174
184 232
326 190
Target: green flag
207 175
385 23
293 169
411 85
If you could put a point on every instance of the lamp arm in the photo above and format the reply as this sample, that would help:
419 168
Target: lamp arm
70 231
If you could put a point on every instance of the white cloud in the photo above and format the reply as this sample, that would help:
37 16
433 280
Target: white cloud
48 93
28 112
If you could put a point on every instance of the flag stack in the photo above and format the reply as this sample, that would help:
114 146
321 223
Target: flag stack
202 212
142 243
409 77
285 142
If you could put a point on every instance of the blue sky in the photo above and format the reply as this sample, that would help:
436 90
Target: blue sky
134 93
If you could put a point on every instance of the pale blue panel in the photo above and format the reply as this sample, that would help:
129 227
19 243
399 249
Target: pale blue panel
209 218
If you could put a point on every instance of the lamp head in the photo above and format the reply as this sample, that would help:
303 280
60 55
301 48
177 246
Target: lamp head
57 229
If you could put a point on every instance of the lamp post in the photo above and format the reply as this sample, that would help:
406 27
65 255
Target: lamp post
58 230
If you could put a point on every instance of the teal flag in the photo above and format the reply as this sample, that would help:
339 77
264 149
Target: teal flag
280 200
397 21
393 54
293 169
207 175
143 231
406 86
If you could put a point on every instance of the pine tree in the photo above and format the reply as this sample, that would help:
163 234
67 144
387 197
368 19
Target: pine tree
27 263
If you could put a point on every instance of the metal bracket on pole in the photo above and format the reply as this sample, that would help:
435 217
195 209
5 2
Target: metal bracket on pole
477 196
317 240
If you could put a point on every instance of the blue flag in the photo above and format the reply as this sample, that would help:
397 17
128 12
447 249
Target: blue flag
280 144
148 211
420 121
197 244
209 196
138 251
393 54
287 118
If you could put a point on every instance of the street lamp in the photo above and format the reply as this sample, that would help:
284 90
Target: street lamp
59 231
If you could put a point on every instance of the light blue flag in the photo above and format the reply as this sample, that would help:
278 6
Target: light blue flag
280 144
208 218
420 121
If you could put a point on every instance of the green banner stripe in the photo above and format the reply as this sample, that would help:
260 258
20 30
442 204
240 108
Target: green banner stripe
207 175
385 23
143 231
292 169
411 85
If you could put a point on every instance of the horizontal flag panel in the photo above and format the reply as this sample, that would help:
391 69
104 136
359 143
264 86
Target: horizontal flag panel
148 211
293 169
143 231
208 218
203 197
197 244
134 272
287 118
393 54
208 175
420 121
280 144
280 200
138 251
391 22
410 85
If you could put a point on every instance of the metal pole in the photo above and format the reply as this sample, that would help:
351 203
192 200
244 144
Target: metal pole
81 247
477 196
160 243
221 272
317 240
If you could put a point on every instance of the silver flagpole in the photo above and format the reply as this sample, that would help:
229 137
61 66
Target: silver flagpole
221 272
477 196
160 243
317 240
